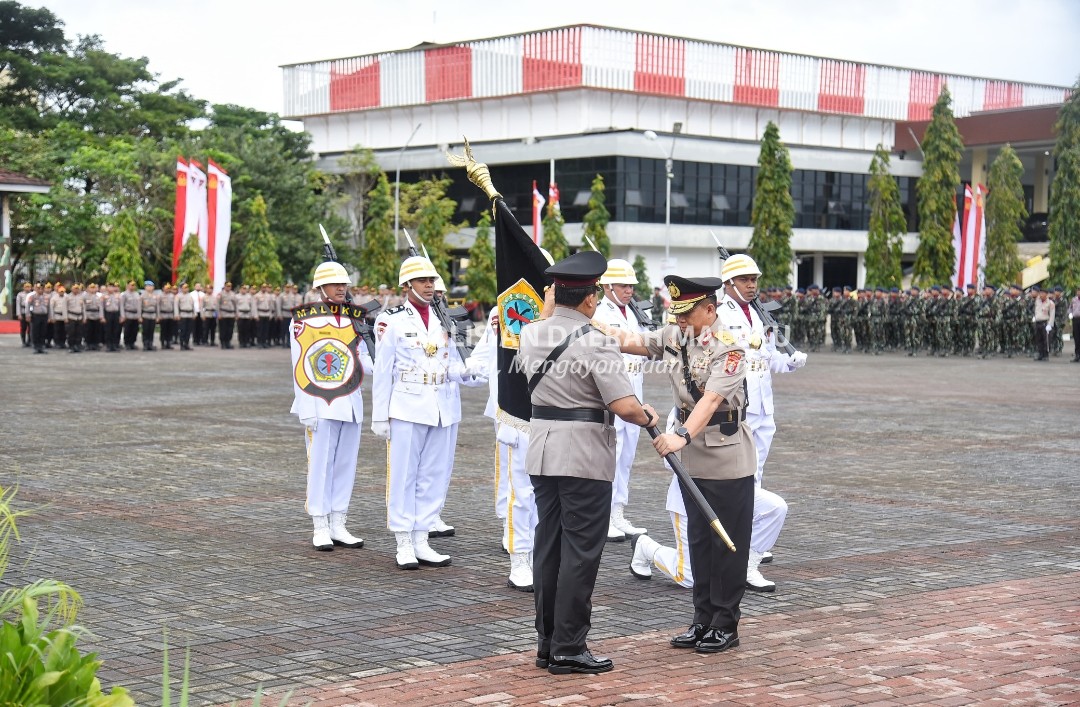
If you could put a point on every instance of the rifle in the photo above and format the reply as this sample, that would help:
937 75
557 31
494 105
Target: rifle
764 312
360 326
455 321
635 305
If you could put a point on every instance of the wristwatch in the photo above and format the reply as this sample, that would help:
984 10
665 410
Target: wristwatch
684 433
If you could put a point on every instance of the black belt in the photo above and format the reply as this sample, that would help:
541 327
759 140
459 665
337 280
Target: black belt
727 420
544 412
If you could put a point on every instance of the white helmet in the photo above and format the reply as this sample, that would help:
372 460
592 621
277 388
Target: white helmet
619 272
440 286
414 267
738 265
331 273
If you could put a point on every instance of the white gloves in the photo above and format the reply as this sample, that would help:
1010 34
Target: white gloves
1070 315
798 359
311 423
1033 320
507 435
1049 327
381 429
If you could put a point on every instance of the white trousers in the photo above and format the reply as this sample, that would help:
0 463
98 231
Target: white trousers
675 561
769 513
332 448
521 513
762 427
626 439
449 466
502 478
415 471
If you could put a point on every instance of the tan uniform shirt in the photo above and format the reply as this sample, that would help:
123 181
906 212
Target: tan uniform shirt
1044 311
589 374
185 306
718 368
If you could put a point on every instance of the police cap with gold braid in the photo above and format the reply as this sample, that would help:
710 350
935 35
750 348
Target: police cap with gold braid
686 292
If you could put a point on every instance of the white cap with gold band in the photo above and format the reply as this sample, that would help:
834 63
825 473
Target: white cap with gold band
414 267
738 265
619 272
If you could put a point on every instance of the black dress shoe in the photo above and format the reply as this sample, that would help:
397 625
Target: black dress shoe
716 640
542 658
583 662
690 638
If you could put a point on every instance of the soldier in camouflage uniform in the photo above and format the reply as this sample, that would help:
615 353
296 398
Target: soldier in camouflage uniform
913 315
1027 316
986 315
966 310
894 321
933 312
815 309
1011 313
859 321
838 321
879 319
798 323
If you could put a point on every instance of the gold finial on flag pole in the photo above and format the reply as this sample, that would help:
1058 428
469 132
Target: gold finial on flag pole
477 171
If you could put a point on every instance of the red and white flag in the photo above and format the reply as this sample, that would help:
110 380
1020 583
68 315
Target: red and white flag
219 216
538 215
180 213
196 221
971 252
553 197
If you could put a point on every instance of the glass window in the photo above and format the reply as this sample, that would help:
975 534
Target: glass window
633 197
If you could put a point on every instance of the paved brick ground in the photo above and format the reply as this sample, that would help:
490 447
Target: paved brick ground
932 553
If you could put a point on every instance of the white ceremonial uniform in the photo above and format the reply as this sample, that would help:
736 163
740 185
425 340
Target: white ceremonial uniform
610 314
409 389
333 438
485 356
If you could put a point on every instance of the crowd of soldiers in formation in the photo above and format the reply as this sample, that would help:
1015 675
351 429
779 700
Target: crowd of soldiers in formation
92 318
938 321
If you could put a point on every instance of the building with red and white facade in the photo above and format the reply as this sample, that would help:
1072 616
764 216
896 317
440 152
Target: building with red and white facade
586 100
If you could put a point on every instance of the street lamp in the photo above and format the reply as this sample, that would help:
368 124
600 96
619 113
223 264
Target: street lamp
397 180
668 166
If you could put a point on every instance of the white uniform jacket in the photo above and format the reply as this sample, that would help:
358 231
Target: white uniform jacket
762 356
414 366
608 313
348 408
484 360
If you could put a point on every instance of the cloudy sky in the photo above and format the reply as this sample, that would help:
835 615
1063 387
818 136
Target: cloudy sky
229 51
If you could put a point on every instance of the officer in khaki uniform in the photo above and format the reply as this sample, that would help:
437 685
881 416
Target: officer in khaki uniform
58 316
184 312
226 302
94 319
571 457
110 305
76 314
167 315
130 315
245 317
716 448
149 304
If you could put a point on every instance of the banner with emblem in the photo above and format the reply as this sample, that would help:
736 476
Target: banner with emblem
326 359
519 277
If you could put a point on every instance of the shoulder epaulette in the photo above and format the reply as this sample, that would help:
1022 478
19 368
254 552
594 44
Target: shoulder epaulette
395 310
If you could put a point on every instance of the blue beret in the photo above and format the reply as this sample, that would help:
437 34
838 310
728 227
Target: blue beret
879 289
894 289
1036 288
915 288
814 287
147 283
1058 288
935 288
971 286
836 289
801 290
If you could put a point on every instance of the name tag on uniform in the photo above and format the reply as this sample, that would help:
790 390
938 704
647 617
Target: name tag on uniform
410 333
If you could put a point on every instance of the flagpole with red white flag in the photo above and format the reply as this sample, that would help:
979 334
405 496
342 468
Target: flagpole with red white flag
978 248
195 221
553 197
538 215
179 213
219 213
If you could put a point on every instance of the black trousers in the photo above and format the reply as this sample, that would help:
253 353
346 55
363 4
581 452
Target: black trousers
1076 338
24 331
148 333
75 332
209 328
168 332
1042 339
197 330
571 530
227 324
59 334
92 333
264 332
38 324
131 332
719 574
112 330
185 331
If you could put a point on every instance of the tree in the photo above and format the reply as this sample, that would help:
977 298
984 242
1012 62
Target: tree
192 267
554 240
1005 213
597 218
942 149
425 206
379 261
642 290
1065 197
124 261
261 262
773 212
885 243
480 277
359 178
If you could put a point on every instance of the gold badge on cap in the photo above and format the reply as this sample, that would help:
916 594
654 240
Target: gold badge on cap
674 290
